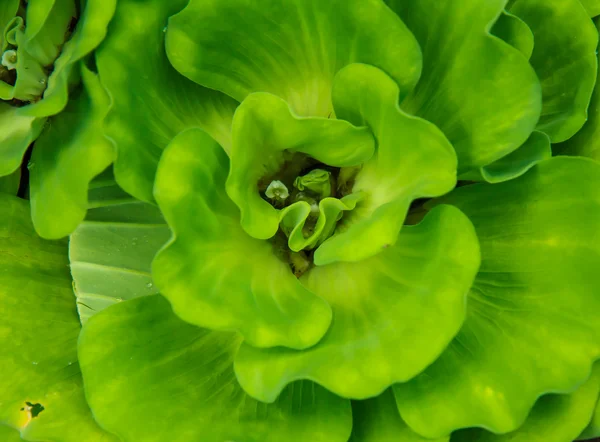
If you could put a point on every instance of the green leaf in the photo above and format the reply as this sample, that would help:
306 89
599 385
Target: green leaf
47 23
377 420
413 160
36 43
554 418
265 136
151 101
537 148
532 325
111 252
16 134
150 376
67 156
592 7
8 10
214 274
481 92
87 35
564 58
593 428
290 50
393 314
38 335
8 434
515 32
10 183
586 142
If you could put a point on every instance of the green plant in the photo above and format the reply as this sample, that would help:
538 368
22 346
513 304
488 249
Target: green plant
300 220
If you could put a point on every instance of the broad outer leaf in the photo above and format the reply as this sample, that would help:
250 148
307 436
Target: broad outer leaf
377 420
393 314
413 160
38 336
554 418
532 325
151 101
216 275
564 58
586 142
481 92
111 252
291 49
151 377
67 156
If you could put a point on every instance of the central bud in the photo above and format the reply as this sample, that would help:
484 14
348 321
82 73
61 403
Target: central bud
312 198
291 177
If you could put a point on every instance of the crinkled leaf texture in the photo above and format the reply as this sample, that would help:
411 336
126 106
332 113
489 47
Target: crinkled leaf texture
151 102
554 418
377 420
265 132
393 314
20 126
87 35
38 336
67 156
214 273
564 59
586 142
487 108
533 302
150 376
413 160
290 49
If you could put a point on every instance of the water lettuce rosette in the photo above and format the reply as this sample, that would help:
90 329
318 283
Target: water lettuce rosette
335 221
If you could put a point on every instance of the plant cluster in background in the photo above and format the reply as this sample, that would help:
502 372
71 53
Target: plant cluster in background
299 221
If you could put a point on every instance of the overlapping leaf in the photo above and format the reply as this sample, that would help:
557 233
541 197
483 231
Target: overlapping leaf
587 141
564 59
531 325
266 135
393 314
215 274
292 50
377 420
150 376
481 92
41 385
67 156
413 160
20 126
554 418
151 101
